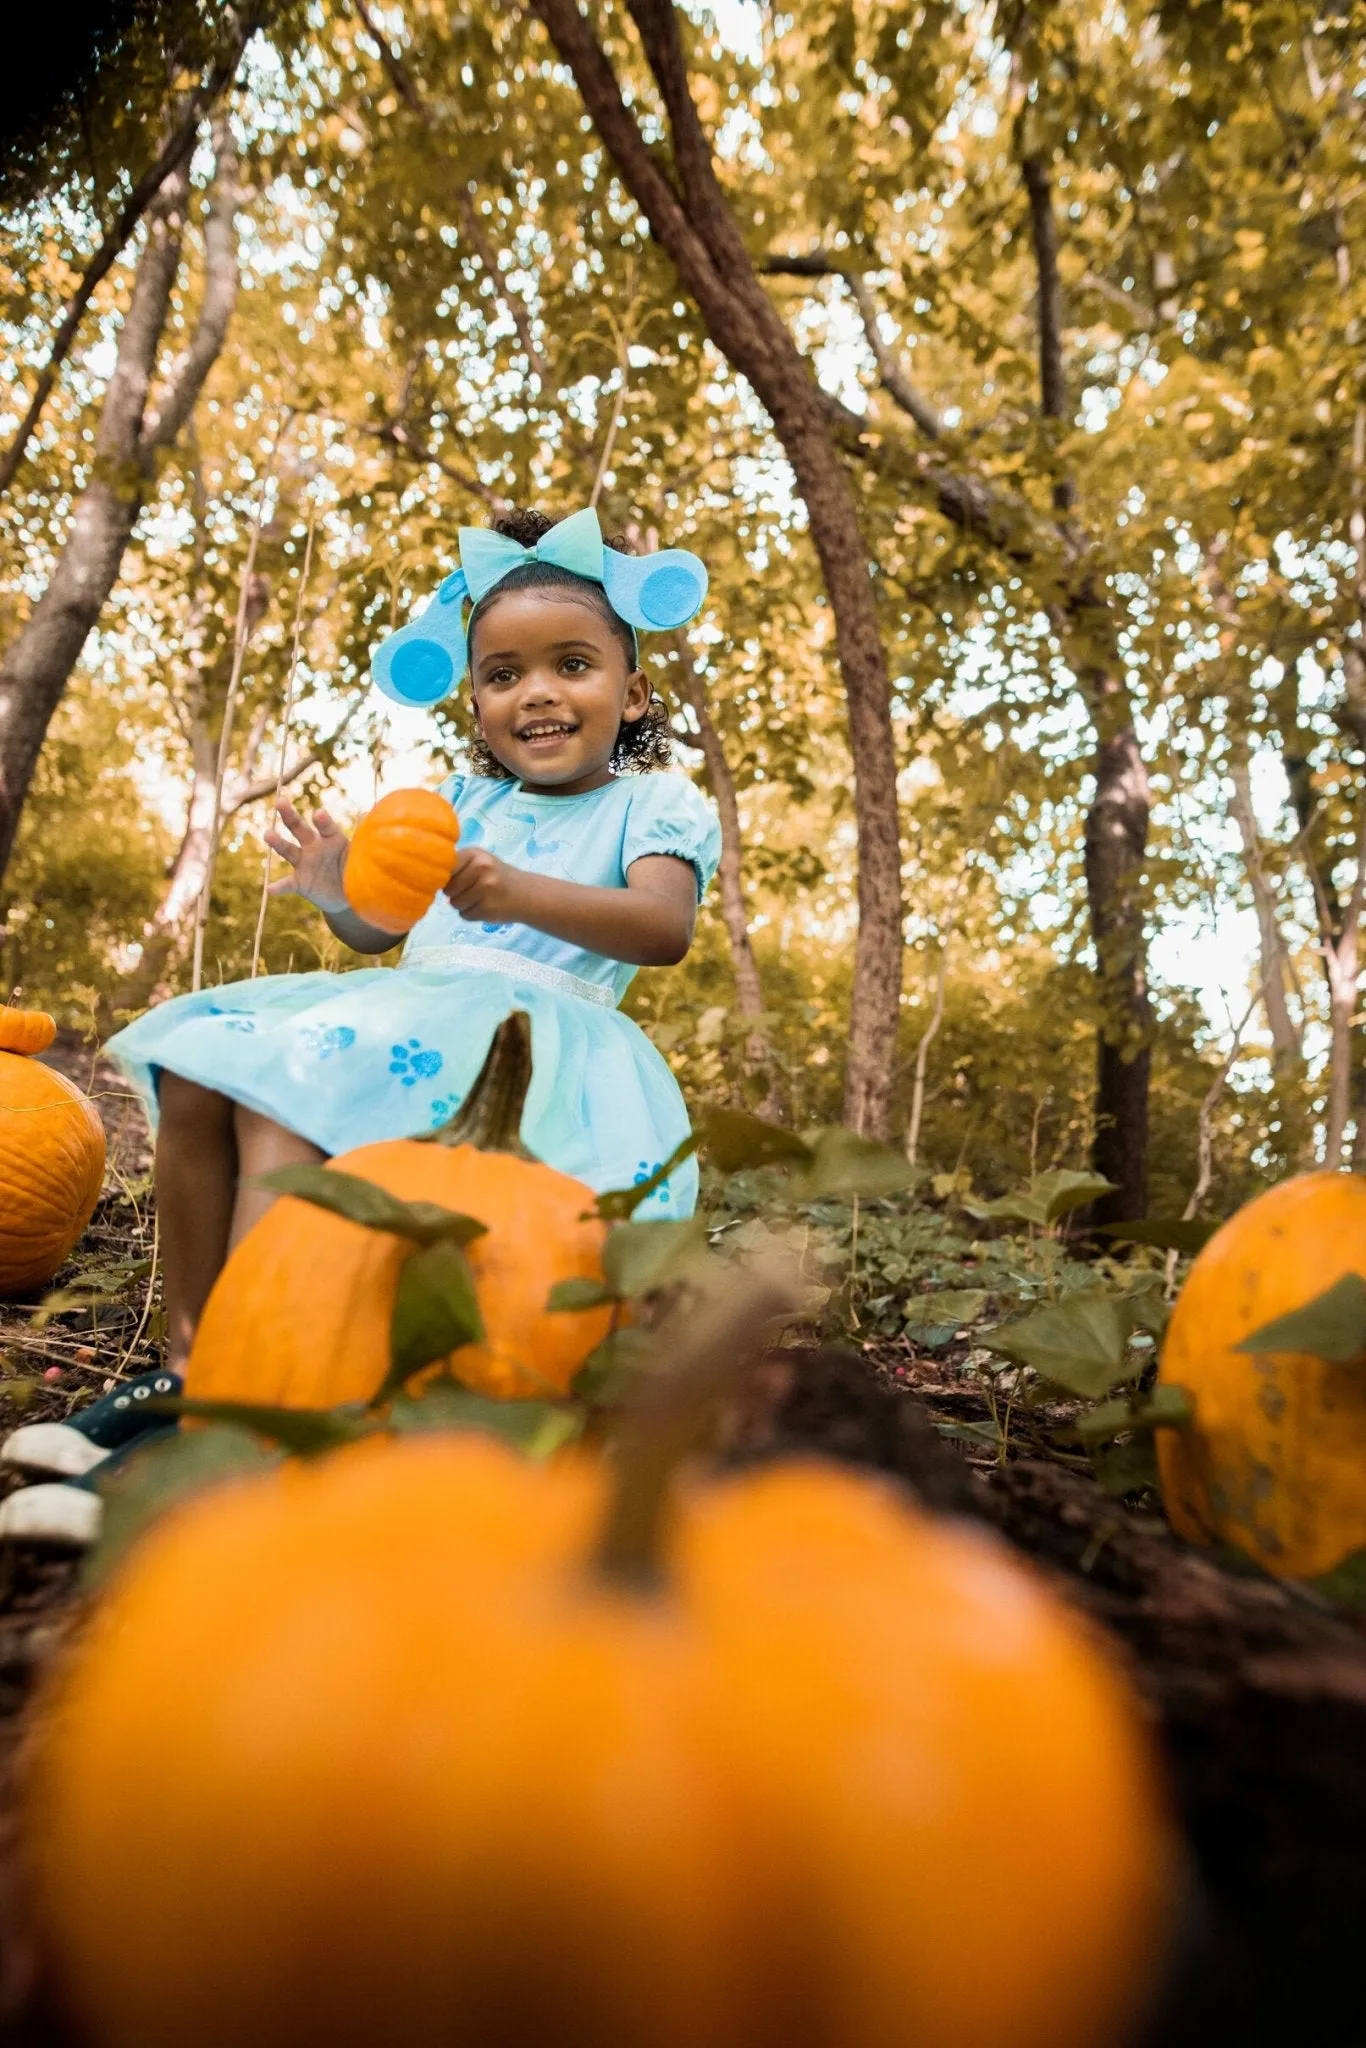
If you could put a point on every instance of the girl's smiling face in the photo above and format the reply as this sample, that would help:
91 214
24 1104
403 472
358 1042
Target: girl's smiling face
552 687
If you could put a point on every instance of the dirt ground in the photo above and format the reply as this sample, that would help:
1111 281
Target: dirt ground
1258 1693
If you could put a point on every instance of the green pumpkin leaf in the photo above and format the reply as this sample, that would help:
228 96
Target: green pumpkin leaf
1126 1468
435 1312
639 1257
143 1486
951 1305
567 1295
1331 1327
303 1432
536 1428
619 1204
1048 1198
735 1141
1062 1191
979 1435
1165 1233
1079 1343
364 1202
843 1163
1167 1407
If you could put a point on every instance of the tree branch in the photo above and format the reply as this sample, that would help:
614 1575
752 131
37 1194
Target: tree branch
298 765
216 307
657 23
175 152
512 303
395 435
895 382
578 46
1052 384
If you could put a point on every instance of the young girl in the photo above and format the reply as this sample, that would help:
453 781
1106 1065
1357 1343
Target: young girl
574 868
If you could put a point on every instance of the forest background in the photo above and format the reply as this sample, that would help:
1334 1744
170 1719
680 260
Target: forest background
1004 363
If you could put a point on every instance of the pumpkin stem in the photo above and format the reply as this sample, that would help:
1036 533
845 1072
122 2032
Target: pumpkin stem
672 1414
490 1117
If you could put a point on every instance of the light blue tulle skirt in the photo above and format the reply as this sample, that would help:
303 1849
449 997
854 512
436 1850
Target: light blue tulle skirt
349 1059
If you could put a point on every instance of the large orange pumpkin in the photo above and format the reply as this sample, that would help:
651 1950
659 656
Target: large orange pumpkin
1275 1460
852 1778
300 1315
400 854
51 1155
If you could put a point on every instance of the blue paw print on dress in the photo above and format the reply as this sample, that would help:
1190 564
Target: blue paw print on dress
443 1109
645 1172
322 1040
414 1062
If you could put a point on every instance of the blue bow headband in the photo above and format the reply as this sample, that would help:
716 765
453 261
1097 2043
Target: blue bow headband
424 660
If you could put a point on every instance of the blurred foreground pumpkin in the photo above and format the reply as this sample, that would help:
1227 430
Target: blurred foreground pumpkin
51 1155
302 1313
366 1751
1275 1460
401 853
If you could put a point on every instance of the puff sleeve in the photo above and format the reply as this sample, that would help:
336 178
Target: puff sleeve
669 815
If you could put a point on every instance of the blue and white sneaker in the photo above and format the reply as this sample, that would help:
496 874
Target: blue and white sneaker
73 1448
69 1515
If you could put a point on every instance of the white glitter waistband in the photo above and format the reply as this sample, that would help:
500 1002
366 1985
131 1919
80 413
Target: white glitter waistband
516 966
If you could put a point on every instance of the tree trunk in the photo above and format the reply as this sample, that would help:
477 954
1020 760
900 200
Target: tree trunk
40 659
1117 822
1274 979
693 222
1116 846
1339 942
239 25
1287 1049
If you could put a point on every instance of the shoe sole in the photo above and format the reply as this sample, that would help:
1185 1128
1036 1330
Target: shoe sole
52 1447
63 1517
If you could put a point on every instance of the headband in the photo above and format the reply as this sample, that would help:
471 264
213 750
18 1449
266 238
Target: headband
424 660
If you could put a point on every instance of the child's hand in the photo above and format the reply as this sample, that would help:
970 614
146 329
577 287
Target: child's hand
484 887
317 854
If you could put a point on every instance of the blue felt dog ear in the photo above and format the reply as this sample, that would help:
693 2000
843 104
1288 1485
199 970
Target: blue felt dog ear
424 660
654 592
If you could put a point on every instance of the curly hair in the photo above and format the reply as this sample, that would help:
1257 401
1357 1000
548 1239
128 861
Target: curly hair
642 744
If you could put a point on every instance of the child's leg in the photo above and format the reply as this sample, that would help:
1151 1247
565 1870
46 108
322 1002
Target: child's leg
207 1145
261 1147
196 1176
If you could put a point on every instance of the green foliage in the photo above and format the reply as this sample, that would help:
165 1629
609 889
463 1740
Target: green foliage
373 1207
88 865
435 1312
1080 1343
1331 1327
159 1477
1205 185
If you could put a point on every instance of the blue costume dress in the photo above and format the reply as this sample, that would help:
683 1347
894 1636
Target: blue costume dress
346 1059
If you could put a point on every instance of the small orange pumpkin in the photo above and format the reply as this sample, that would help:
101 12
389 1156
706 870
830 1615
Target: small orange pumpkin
401 854
51 1155
300 1315
1274 1461
851 1778
26 1031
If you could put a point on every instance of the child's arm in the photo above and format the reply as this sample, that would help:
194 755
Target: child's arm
317 854
649 923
